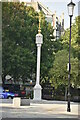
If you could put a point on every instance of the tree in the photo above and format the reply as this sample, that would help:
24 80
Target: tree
18 41
59 73
20 26
74 37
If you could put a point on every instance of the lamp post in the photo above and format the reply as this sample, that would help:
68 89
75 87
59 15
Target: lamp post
39 42
70 12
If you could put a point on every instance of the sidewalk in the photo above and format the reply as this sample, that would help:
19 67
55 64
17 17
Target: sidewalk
44 109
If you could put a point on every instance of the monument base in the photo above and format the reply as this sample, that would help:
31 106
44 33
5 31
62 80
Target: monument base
37 92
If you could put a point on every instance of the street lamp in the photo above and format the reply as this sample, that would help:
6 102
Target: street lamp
39 42
70 12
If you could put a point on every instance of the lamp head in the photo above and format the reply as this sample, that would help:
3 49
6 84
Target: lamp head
71 8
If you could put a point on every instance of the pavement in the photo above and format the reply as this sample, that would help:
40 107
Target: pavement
39 109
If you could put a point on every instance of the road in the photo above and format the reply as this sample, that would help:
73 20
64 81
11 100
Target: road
40 109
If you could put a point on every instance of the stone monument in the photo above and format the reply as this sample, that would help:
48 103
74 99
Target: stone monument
39 42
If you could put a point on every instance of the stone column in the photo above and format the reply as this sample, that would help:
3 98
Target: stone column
38 88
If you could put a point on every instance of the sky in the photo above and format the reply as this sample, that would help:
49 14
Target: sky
60 6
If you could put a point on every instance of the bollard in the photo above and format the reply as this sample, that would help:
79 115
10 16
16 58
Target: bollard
16 102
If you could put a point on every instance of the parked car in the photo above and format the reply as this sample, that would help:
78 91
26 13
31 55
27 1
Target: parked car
16 89
5 94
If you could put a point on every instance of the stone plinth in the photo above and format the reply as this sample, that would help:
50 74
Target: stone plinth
16 102
25 102
37 92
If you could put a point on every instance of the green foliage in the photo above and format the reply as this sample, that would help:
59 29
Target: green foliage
20 26
18 40
74 37
58 72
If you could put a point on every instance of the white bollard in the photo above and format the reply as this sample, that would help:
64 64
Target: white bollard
16 102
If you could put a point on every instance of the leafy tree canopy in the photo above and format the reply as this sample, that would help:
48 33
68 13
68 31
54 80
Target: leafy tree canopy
20 26
59 73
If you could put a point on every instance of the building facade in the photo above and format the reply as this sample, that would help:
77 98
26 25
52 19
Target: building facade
56 22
